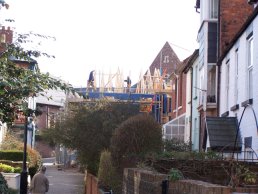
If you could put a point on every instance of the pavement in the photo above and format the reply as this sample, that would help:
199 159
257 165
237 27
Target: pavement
63 180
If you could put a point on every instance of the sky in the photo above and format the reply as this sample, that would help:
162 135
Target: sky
104 35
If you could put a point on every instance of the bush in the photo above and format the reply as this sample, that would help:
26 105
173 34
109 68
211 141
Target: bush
176 145
12 163
13 191
136 136
175 175
33 170
6 168
3 185
12 143
106 173
17 170
13 155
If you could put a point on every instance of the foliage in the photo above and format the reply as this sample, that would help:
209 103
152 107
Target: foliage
143 165
6 168
17 170
88 128
107 174
18 82
3 185
13 155
210 155
176 145
13 191
12 143
239 174
136 136
175 175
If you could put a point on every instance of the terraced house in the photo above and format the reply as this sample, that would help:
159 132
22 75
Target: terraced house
225 80
239 93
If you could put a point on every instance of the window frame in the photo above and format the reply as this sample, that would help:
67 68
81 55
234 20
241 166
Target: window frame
250 58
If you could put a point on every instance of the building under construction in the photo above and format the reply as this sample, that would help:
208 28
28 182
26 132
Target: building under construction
153 91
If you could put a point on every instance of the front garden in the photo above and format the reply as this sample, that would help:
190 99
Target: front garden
11 161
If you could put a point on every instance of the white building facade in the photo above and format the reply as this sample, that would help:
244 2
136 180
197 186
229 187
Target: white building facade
238 90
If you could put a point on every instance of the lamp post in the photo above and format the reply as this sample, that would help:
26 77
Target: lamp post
24 173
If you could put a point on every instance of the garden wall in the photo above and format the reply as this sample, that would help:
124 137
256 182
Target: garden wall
138 181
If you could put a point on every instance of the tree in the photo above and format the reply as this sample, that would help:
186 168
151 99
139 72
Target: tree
136 136
18 83
88 128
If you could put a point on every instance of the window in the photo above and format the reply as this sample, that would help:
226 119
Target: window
180 90
195 81
202 87
248 154
211 87
175 129
227 84
176 93
236 76
213 9
166 59
250 67
3 38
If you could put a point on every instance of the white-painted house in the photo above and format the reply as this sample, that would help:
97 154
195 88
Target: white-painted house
238 89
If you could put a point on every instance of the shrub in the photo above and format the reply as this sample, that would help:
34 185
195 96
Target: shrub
106 173
13 191
12 163
6 168
12 143
13 155
175 175
176 145
3 185
17 170
138 135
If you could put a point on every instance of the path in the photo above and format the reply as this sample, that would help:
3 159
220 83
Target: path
66 181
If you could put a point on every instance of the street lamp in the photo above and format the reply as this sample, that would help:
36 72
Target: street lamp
24 173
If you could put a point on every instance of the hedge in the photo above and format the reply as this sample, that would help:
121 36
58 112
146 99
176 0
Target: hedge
13 155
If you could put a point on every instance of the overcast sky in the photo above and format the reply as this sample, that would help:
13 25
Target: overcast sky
105 35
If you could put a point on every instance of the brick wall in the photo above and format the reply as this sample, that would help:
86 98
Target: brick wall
233 14
138 181
181 96
200 187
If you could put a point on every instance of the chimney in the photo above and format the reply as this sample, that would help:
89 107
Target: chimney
233 15
6 35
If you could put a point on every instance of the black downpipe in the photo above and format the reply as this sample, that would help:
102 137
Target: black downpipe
164 186
218 63
191 111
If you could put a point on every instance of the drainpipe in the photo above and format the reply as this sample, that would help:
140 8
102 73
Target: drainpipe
218 63
191 111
